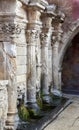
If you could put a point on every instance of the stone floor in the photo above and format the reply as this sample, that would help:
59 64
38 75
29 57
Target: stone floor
68 119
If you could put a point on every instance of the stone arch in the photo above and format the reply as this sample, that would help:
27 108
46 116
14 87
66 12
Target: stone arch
66 40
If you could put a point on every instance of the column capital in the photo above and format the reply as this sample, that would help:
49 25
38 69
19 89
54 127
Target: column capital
47 28
33 14
51 10
25 2
48 15
57 23
32 36
39 2
59 18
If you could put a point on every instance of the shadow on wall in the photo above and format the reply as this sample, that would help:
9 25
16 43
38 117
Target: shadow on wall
70 73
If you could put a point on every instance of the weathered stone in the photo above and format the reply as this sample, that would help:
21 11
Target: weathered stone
21 51
21 91
62 123
10 49
21 78
56 40
34 25
50 67
26 58
3 103
45 42
21 69
21 60
10 6
2 62
38 64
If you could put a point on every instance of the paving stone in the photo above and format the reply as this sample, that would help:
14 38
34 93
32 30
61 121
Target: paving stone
67 120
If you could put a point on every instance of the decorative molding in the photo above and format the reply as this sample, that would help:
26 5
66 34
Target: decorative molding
33 35
10 28
46 36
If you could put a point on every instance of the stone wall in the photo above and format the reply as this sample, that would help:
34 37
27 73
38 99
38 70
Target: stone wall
32 44
35 49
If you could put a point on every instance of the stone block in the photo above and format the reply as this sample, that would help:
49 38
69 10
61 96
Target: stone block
20 11
21 60
21 78
21 51
10 49
20 39
7 6
21 69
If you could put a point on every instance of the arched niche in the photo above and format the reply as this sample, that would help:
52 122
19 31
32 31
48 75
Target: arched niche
68 59
70 68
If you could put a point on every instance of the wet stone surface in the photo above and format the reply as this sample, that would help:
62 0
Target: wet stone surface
49 115
68 119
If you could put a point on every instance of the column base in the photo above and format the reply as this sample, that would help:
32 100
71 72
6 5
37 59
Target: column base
47 100
12 121
34 110
56 92
9 128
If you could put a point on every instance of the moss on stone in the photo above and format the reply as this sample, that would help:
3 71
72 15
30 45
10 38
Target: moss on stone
39 102
23 113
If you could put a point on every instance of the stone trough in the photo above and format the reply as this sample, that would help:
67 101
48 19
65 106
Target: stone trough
50 115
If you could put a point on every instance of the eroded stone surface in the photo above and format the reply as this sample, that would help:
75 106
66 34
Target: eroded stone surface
3 102
26 58
67 120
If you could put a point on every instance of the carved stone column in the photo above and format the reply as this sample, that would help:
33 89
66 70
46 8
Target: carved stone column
45 43
57 23
33 32
10 50
8 30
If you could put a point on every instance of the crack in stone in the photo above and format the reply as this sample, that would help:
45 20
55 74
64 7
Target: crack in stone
74 121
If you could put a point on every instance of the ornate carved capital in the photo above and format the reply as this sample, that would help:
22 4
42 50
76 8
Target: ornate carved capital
41 2
46 37
10 28
61 16
32 35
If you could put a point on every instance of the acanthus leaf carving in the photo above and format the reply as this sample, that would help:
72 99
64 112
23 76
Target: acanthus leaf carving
32 35
45 36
